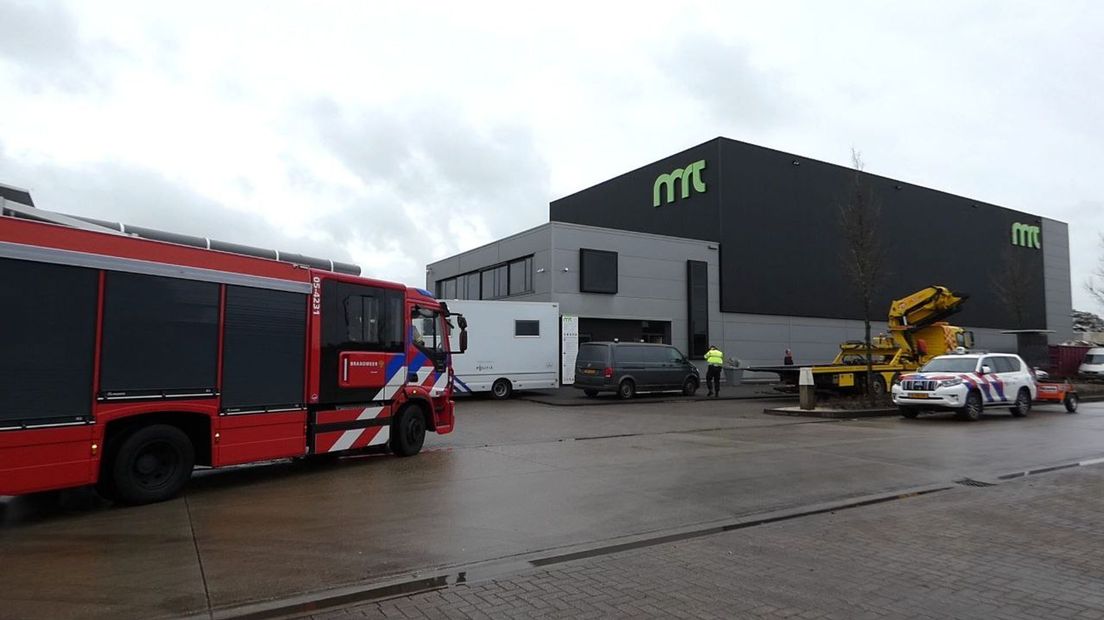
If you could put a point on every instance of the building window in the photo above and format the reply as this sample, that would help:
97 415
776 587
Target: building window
697 306
472 289
488 284
521 276
597 271
446 289
526 328
513 278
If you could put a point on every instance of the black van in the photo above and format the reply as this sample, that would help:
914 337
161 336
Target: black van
631 367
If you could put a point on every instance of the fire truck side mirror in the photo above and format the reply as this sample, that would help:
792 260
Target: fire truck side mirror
461 321
463 338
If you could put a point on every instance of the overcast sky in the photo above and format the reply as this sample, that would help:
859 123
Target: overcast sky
394 134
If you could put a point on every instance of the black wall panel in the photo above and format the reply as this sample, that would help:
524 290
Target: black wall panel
159 335
264 349
775 216
48 326
626 202
697 307
597 271
781 247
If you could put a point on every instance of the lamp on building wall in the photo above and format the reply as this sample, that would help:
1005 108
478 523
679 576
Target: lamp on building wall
540 270
566 269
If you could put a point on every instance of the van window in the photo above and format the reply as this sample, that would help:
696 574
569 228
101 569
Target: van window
1094 358
673 355
592 353
638 354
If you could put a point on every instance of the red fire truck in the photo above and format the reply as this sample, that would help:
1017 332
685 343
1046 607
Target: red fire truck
126 360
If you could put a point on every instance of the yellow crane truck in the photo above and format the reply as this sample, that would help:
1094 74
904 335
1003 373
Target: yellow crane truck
917 333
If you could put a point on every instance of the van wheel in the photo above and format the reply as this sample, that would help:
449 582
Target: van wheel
626 390
590 393
972 410
689 387
1071 403
502 389
408 431
152 464
1023 403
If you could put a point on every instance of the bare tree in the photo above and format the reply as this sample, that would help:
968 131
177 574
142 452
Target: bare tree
1094 284
863 253
1014 283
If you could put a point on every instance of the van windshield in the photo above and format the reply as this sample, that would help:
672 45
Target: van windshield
1094 358
592 353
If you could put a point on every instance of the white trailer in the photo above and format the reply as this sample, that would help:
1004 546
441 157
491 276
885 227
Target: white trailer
512 345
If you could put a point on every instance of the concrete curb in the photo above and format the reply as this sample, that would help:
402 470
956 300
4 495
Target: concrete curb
835 414
605 402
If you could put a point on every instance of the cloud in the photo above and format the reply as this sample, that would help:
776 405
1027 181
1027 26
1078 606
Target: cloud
42 42
429 182
140 197
721 75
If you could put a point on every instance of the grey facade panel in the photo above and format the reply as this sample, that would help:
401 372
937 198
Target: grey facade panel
652 287
1056 280
535 242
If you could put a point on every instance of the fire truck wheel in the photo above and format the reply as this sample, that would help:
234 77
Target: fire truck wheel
1071 403
153 463
409 431
1023 403
502 389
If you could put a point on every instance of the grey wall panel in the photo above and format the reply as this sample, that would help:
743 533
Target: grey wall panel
1056 280
535 242
651 276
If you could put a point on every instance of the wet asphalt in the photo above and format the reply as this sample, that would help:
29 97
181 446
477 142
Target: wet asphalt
516 477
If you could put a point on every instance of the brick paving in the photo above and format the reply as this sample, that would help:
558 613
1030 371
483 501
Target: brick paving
1027 548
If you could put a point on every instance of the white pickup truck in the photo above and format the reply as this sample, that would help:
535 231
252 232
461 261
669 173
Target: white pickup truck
967 384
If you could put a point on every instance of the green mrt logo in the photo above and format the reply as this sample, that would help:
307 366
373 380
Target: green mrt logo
688 176
1025 235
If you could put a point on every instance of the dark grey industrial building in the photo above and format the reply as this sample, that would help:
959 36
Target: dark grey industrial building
739 245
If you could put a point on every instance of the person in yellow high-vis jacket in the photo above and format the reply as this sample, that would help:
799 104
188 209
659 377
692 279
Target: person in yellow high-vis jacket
715 358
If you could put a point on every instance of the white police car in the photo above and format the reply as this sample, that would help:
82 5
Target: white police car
967 383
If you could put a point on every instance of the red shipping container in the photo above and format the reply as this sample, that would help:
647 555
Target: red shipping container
1064 359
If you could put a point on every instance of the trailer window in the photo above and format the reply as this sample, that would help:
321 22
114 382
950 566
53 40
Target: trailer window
526 328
